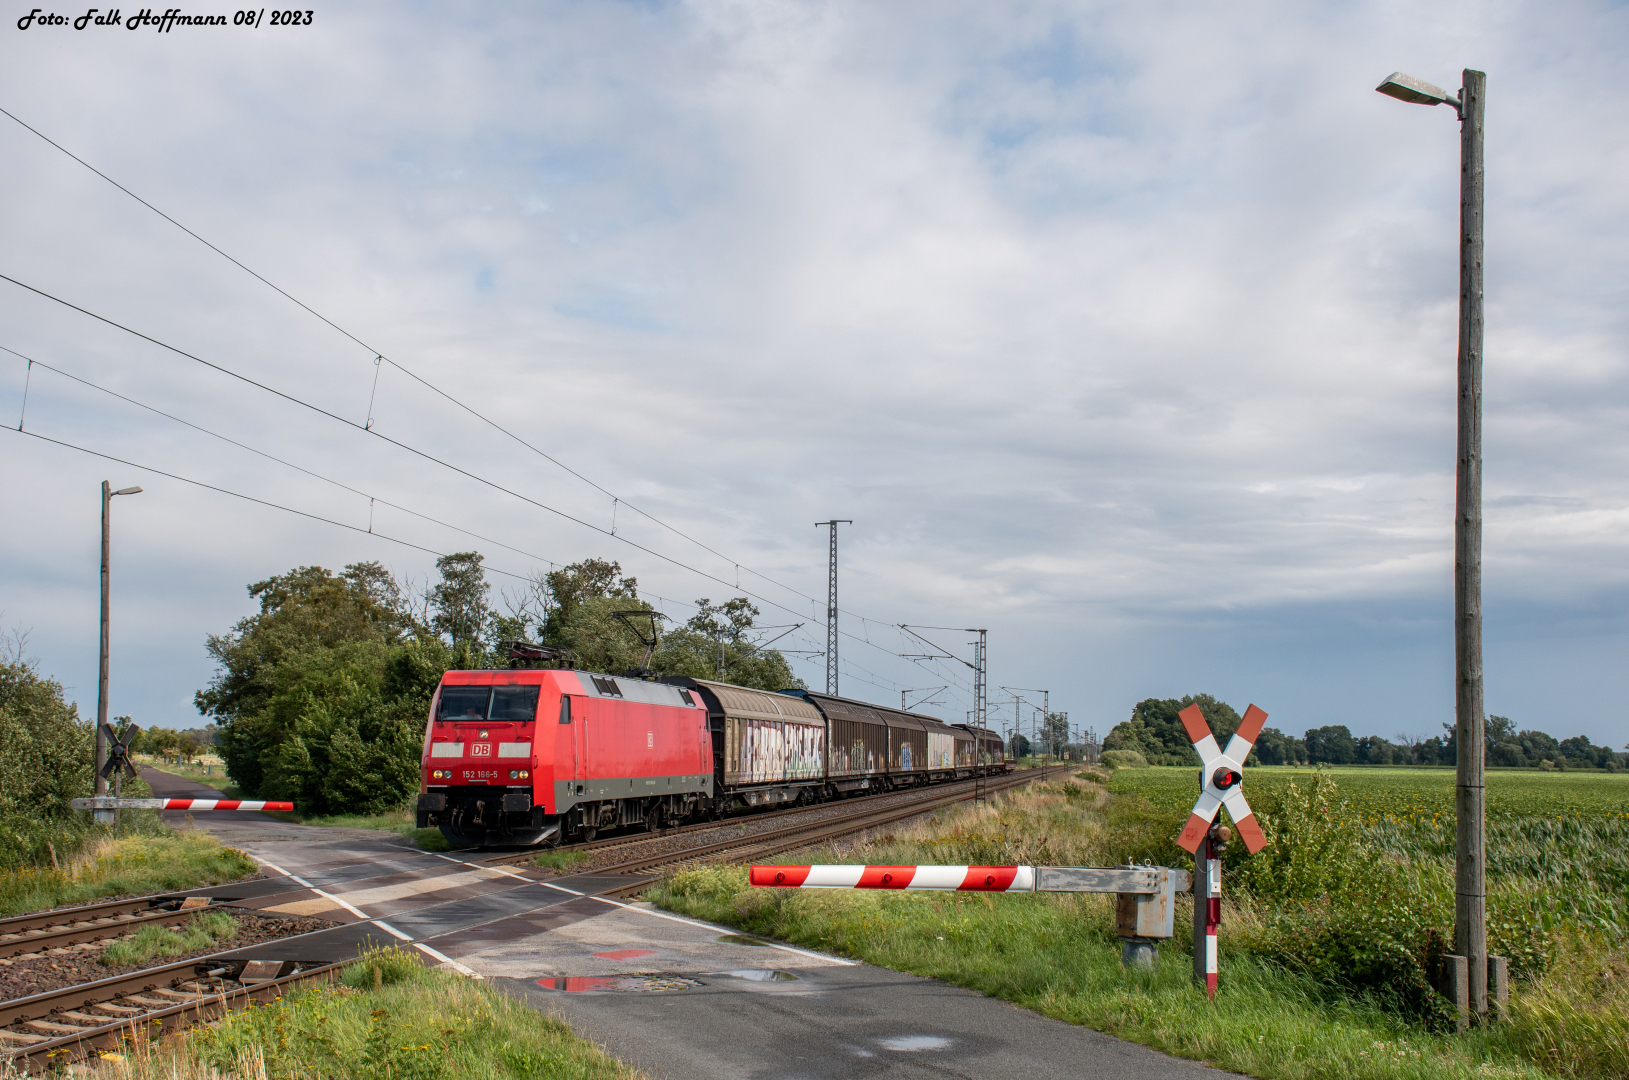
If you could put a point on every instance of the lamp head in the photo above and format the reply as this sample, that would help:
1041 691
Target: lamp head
128 491
1415 91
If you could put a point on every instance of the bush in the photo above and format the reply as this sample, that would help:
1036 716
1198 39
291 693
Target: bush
1124 759
46 759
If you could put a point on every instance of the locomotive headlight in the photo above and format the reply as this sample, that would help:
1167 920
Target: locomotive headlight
519 774
441 774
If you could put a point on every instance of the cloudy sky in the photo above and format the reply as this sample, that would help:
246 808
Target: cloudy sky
1125 331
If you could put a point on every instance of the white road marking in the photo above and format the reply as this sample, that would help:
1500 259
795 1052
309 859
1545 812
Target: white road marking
297 879
421 885
710 926
449 961
387 928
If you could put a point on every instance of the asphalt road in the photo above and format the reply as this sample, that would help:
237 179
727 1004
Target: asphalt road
677 997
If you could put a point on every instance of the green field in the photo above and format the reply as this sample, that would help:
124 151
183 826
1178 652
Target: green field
1407 796
1557 843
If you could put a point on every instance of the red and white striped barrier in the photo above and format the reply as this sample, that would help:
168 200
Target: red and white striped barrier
945 878
105 802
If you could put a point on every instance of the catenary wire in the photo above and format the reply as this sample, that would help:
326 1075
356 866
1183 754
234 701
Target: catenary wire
316 475
379 356
417 452
303 513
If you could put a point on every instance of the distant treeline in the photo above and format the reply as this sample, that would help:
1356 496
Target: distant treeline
321 697
1155 731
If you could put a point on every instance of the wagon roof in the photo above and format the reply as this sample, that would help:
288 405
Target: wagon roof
761 705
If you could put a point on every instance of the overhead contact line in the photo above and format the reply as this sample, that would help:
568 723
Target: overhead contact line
380 357
366 430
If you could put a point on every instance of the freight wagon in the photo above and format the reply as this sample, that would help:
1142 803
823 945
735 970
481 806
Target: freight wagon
526 756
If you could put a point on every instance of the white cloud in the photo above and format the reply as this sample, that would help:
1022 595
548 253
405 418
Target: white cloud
1104 322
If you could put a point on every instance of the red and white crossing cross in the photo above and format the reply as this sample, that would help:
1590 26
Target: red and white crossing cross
1223 775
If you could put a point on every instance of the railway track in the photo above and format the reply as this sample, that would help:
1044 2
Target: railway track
527 855
645 871
45 1032
46 930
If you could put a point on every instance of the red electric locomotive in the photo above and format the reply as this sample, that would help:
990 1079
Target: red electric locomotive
526 756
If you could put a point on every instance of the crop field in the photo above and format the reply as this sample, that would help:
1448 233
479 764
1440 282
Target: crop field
1557 843
1408 796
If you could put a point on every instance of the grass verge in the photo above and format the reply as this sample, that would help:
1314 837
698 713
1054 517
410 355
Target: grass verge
158 862
400 821
387 1019
202 931
1058 955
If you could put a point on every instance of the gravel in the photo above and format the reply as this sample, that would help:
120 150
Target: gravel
35 974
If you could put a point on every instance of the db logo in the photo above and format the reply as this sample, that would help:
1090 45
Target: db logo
481 749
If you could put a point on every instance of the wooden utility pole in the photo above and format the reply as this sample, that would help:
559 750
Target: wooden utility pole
107 817
1470 855
100 787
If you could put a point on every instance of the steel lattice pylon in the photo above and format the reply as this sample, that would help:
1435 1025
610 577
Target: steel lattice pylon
831 606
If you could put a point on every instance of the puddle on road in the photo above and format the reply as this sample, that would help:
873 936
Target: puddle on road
913 1043
739 939
757 975
635 983
625 954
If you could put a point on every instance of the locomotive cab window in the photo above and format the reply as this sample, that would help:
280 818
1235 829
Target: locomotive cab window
514 703
464 702
565 708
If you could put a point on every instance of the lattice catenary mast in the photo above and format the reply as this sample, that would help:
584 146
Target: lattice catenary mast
831 606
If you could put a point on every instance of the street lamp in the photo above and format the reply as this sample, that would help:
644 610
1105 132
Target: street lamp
105 816
1470 869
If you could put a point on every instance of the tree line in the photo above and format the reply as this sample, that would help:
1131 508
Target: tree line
321 697
1155 731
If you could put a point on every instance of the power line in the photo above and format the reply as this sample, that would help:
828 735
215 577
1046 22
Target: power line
413 450
272 457
299 468
253 499
396 442
380 357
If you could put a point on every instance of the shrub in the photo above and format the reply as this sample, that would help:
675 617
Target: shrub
1124 759
45 760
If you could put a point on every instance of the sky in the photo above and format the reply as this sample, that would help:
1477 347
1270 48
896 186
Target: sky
1125 332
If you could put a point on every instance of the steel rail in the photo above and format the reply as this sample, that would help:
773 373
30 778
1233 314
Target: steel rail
190 1006
716 823
93 922
55 916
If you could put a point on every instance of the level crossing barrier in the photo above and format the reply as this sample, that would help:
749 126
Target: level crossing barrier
108 802
1145 895
1144 909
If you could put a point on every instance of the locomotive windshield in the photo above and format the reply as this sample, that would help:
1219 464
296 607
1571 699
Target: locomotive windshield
474 703
514 703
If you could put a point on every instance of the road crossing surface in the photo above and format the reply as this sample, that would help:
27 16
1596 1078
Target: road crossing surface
674 996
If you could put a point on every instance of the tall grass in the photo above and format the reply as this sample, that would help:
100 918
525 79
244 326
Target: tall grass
113 866
1323 970
387 1019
